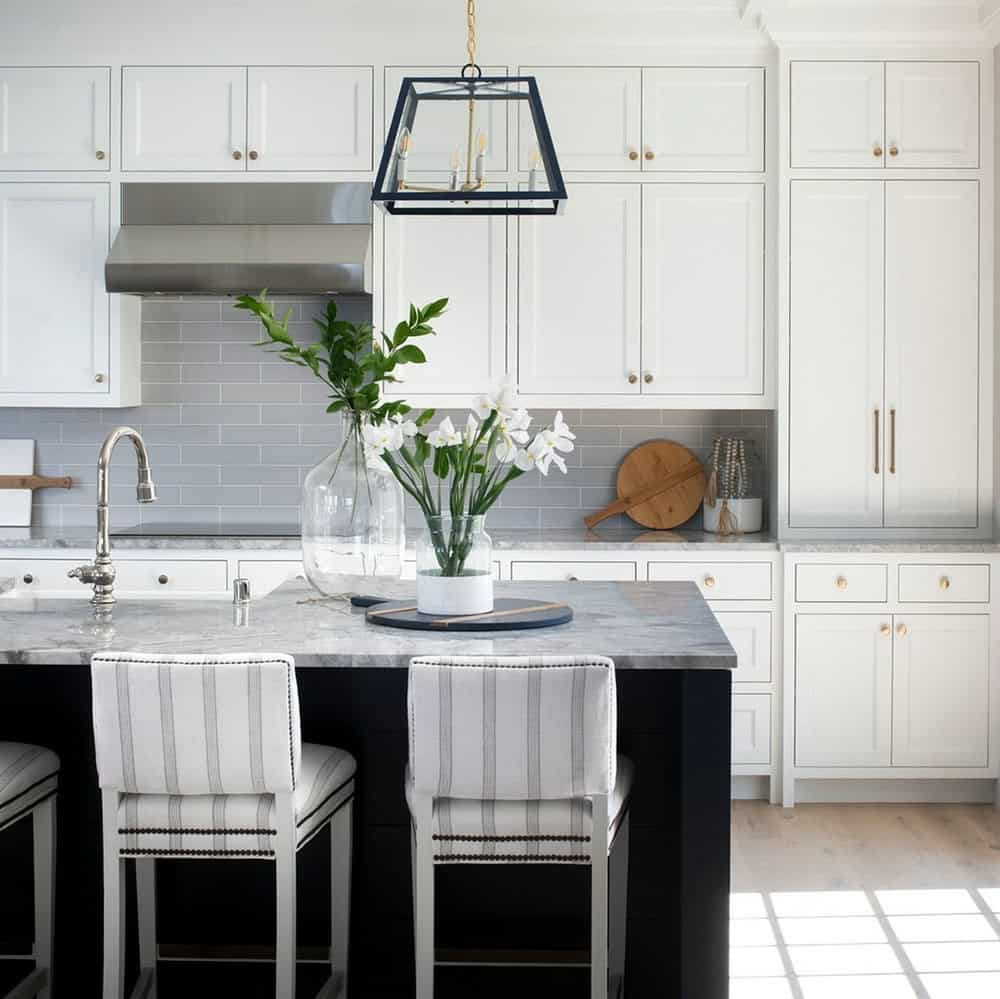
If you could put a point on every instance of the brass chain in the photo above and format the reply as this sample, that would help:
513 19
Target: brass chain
470 11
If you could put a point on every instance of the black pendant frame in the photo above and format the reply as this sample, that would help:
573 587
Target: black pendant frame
464 88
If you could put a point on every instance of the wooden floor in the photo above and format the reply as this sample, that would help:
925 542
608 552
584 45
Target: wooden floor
825 847
865 902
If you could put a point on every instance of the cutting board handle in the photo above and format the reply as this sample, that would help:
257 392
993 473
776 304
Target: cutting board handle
685 472
35 482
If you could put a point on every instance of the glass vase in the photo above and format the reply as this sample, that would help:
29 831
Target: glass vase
454 566
352 520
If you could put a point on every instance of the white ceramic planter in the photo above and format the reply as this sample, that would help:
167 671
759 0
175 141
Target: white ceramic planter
747 514
454 595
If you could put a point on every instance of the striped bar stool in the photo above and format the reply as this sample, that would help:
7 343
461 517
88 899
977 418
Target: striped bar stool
201 757
29 778
513 760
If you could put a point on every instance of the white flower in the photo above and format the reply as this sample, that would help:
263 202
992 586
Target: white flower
408 427
517 423
501 402
507 451
445 436
383 437
471 429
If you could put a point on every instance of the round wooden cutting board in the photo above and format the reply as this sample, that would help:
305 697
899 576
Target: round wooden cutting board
645 465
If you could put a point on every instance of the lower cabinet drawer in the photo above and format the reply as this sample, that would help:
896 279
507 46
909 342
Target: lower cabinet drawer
749 633
265 576
410 570
751 728
857 582
44 575
573 571
168 576
944 584
719 580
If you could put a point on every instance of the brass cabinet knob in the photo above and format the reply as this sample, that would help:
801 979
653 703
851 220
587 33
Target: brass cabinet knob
237 155
885 629
901 629
877 151
633 154
99 154
632 378
163 579
841 583
572 579
28 578
709 581
650 154
894 150
252 154
99 378
648 377
944 582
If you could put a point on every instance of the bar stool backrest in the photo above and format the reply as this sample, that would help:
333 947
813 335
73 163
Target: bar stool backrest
196 724
515 728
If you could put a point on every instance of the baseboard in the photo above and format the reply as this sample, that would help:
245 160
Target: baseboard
743 788
893 791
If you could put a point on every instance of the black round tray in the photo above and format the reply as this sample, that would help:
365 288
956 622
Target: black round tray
508 614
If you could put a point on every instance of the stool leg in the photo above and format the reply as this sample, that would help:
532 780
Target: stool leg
145 890
340 893
618 890
423 897
599 899
44 839
114 900
284 878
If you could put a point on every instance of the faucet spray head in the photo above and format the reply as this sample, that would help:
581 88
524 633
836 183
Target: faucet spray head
145 490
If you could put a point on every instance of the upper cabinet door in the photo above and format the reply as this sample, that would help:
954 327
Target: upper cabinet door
932 114
54 319
578 288
440 129
703 118
309 118
55 118
941 690
932 353
593 114
837 114
184 118
703 289
836 453
465 260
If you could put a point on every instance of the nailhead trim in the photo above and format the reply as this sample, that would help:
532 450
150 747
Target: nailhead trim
541 838
516 858
136 851
153 831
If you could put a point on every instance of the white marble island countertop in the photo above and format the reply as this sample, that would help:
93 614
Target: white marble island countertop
664 625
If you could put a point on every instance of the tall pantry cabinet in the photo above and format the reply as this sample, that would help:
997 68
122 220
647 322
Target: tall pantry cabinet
887 359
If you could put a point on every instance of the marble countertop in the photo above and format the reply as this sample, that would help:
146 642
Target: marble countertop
613 539
639 625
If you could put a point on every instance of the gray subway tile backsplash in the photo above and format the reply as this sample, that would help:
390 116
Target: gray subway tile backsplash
232 431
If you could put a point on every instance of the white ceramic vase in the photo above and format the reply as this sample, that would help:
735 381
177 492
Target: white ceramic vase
454 567
747 515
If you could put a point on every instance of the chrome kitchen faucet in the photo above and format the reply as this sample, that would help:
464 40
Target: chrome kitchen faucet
101 573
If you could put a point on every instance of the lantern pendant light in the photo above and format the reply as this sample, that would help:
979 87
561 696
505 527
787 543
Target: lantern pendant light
435 160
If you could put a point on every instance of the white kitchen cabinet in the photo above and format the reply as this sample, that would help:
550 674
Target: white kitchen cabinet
55 118
884 114
265 575
440 127
843 690
54 312
594 114
703 289
309 118
718 580
184 118
573 572
702 118
940 696
837 114
749 633
579 295
751 729
932 114
836 416
931 471
465 260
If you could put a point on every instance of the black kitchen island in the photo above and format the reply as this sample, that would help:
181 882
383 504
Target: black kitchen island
673 673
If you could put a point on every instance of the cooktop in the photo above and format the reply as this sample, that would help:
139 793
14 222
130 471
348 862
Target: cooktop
214 530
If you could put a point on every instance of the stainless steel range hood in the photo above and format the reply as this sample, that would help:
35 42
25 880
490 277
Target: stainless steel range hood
220 239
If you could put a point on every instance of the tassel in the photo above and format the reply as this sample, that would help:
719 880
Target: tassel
712 489
727 522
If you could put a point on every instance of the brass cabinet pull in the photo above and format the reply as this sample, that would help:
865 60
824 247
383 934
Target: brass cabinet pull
253 154
885 629
877 435
841 583
944 583
650 154
892 442
648 377
632 378
99 378
237 155
894 150
99 154
633 154
572 579
877 151
709 581
901 629
28 578
163 579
